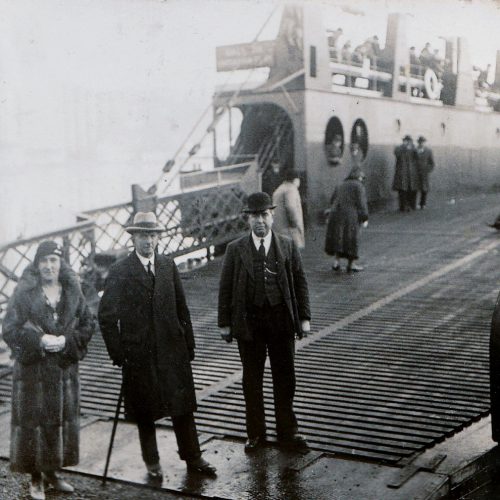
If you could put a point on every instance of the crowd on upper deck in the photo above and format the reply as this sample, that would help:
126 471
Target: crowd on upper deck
342 51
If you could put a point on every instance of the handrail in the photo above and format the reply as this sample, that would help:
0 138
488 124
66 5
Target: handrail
88 224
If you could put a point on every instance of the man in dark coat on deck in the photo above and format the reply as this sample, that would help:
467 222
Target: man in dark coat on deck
425 165
147 329
406 180
264 305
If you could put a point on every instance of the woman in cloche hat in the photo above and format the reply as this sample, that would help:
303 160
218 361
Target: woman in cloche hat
48 326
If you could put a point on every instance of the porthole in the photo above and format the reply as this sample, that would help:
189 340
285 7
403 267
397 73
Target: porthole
334 141
359 134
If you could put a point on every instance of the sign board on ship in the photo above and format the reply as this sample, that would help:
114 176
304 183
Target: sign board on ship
245 55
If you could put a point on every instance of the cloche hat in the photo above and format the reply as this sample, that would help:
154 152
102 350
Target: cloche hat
47 247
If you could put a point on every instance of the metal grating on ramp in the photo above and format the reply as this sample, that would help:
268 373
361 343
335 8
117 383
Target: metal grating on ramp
398 358
393 382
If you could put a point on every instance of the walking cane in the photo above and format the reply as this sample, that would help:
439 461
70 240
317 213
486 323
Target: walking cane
113 432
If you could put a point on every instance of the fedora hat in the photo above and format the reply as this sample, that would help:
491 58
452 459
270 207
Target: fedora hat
407 138
421 139
145 222
258 202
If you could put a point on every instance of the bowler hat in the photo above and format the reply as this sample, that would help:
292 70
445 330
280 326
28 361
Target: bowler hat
258 202
421 139
145 222
407 138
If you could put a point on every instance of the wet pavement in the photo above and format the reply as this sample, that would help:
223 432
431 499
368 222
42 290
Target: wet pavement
397 362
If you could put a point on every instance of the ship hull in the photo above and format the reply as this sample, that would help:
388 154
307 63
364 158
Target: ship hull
465 142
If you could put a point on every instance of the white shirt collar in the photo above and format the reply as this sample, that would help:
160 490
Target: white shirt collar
146 260
267 241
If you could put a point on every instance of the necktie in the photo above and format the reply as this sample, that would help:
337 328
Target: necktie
262 250
150 272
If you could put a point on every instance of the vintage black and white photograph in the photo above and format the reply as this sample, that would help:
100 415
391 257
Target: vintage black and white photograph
249 249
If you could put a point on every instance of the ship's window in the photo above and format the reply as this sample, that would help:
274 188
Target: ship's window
443 128
334 141
398 125
362 83
338 79
359 134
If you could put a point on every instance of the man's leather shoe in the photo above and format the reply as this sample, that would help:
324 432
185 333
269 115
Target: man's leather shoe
294 442
253 443
201 466
154 471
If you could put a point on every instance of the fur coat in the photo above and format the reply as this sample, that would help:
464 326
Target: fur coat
45 390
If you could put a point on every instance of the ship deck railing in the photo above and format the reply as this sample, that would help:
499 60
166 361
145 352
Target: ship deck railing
205 215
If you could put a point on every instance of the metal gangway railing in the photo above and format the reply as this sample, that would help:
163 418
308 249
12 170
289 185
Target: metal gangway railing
205 214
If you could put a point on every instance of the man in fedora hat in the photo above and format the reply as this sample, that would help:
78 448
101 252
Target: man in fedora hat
425 165
264 305
147 329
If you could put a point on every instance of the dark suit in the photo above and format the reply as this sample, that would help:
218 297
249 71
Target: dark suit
266 327
147 329
406 180
425 165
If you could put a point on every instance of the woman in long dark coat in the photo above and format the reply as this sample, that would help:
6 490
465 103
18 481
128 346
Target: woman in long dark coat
48 326
349 209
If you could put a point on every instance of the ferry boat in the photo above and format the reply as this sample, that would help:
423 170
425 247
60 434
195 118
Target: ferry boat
311 106
314 104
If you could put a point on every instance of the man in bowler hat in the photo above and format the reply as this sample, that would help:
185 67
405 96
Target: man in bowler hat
147 329
264 305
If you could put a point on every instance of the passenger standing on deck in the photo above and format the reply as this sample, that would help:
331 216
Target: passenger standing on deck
425 164
348 210
264 305
288 219
146 325
406 180
48 326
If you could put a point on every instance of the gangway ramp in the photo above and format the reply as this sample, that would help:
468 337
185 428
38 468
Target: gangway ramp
398 355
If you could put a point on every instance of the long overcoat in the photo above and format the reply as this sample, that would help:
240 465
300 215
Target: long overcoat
406 176
45 386
151 337
348 208
237 272
495 372
288 217
425 165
